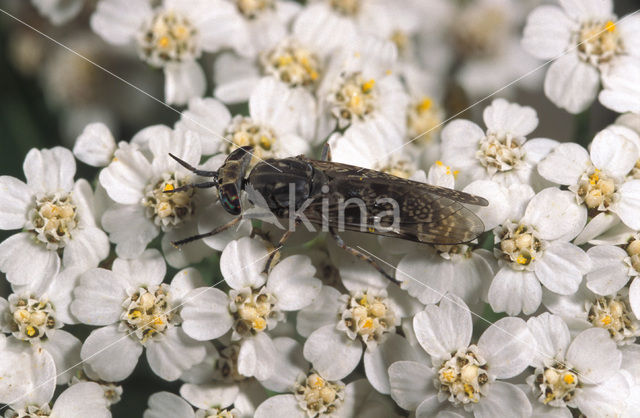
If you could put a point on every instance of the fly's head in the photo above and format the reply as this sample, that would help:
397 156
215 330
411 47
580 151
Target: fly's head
231 179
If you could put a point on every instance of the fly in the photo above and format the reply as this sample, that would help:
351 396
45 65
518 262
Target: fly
340 197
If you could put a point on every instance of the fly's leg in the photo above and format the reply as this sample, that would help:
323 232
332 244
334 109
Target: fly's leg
204 185
283 239
208 234
191 168
360 255
326 152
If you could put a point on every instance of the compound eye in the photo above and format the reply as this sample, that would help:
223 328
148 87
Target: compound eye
230 199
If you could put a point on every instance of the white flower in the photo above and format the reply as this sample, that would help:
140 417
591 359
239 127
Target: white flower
484 34
256 25
502 153
254 305
59 12
534 249
56 215
138 183
584 310
136 310
359 87
463 374
274 127
308 394
95 145
80 400
213 399
340 327
28 381
588 44
171 36
36 316
613 267
583 373
599 178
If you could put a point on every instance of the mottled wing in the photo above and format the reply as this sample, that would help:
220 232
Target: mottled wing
425 213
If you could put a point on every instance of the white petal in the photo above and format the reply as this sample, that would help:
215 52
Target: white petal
183 81
257 357
81 400
146 270
27 376
502 116
634 297
64 348
242 262
205 314
216 393
16 199
514 292
50 170
621 88
561 267
269 104
207 117
59 12
84 199
95 145
605 399
378 360
174 353
118 20
609 273
425 275
613 152
186 255
321 312
601 223
289 363
129 228
585 10
594 355
332 353
508 346
565 164
628 207
126 177
444 329
552 337
555 214
411 383
504 400
630 31
111 354
280 406
293 284
165 404
547 33
459 138
499 205
571 84
24 261
98 297
88 247
184 282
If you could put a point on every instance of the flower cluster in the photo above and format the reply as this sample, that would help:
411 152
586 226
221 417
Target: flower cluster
537 316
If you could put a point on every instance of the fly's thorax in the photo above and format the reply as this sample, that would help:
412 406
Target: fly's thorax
284 184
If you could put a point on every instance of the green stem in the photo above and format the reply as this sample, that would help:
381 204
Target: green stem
581 128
